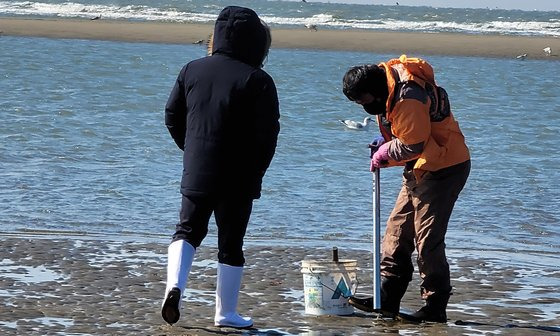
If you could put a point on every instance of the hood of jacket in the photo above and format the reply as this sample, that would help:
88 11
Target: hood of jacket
239 33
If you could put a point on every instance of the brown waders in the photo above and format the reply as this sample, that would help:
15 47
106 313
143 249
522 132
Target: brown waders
419 221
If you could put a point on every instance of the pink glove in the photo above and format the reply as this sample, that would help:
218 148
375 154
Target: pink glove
380 157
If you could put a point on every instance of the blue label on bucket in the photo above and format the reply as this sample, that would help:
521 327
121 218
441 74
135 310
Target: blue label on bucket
341 290
326 288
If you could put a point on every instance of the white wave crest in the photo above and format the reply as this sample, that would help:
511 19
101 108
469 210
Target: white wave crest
76 10
494 27
139 12
319 19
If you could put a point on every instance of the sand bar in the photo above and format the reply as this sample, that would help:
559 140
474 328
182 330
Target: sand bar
323 39
84 286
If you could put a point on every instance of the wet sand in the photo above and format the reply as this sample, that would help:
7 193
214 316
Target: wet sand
324 39
99 287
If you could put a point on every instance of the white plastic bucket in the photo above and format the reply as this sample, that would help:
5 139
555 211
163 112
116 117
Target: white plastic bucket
327 285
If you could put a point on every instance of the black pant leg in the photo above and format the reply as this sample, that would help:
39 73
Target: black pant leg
232 216
193 220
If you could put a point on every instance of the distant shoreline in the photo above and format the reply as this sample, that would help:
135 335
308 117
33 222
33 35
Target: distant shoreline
411 43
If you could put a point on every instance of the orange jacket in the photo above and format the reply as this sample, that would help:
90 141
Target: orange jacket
429 122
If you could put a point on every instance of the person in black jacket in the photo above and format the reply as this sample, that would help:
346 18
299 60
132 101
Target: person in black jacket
223 113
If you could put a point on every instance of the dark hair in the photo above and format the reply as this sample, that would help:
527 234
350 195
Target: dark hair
367 78
267 44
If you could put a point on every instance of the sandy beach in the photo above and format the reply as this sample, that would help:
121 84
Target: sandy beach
322 39
83 285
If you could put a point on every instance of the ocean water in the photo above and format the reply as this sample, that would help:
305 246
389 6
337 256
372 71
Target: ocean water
84 149
326 14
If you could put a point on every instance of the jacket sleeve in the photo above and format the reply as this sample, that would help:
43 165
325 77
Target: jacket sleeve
411 126
267 125
176 111
402 153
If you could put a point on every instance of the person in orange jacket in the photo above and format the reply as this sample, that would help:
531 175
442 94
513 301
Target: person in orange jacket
419 132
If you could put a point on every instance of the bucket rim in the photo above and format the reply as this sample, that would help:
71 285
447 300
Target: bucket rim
330 262
348 265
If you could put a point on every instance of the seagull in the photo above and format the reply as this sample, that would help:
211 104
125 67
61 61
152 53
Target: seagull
356 125
522 56
311 27
96 18
198 42
548 51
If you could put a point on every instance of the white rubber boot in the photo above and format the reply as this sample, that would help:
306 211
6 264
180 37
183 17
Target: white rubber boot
227 292
180 255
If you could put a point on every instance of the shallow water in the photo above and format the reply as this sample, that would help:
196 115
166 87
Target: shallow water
84 148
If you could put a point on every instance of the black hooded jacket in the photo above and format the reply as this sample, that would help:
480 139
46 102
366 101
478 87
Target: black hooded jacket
223 111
